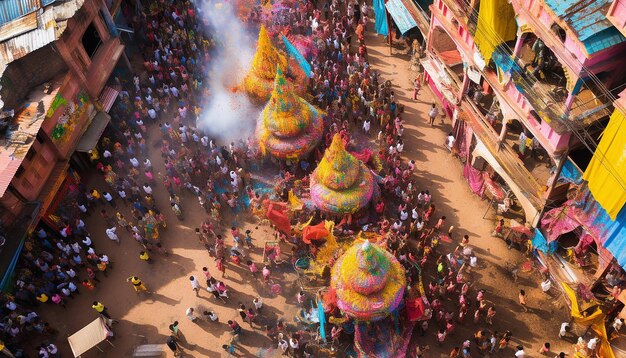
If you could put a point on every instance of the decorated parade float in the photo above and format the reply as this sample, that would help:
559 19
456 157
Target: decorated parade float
341 184
288 127
368 284
259 81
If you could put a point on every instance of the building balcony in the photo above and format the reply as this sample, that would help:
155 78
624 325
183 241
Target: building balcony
522 177
513 102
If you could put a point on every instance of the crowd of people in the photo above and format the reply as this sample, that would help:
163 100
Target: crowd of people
170 92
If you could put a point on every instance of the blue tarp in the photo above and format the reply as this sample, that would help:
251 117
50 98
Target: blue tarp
612 233
571 173
540 243
400 15
381 17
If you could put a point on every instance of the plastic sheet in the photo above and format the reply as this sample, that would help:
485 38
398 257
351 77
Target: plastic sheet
606 172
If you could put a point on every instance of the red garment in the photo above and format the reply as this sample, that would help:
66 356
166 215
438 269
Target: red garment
276 214
414 309
315 232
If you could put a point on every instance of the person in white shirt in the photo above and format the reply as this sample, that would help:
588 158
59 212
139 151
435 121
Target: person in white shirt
205 141
367 126
152 113
86 241
147 164
450 140
520 352
400 146
258 303
134 162
106 153
592 345
174 91
565 327
109 198
122 193
195 285
112 235
283 345
189 313
211 315
432 114
82 208
147 189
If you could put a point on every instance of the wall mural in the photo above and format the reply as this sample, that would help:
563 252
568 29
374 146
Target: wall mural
67 121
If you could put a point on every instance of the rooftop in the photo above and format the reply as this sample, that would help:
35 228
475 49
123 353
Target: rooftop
587 19
18 136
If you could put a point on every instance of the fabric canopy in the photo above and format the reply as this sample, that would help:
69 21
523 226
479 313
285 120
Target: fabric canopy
496 24
587 212
89 336
91 136
606 172
595 320
277 215
381 26
400 15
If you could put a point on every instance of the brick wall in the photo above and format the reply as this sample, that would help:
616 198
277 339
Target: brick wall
28 72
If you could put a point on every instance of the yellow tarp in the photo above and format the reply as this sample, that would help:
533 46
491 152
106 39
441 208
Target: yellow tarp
606 172
496 24
595 320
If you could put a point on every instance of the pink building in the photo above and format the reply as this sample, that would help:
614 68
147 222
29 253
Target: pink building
550 100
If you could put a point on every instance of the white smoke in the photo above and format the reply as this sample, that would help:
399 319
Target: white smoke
227 115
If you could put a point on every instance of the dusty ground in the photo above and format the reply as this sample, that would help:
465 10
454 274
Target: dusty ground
145 318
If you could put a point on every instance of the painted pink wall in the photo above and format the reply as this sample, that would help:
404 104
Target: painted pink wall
617 15
552 140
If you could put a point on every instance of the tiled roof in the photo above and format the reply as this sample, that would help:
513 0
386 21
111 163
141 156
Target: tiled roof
587 18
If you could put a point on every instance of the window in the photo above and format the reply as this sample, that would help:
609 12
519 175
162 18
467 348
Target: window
91 40
558 30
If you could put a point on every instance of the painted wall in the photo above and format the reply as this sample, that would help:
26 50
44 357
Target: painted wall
508 95
617 15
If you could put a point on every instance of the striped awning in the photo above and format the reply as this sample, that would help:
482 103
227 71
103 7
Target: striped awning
108 97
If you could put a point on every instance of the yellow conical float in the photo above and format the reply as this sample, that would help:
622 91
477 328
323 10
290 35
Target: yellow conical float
259 81
369 282
341 183
288 127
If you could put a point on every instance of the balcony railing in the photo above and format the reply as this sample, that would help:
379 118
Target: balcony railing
516 100
549 106
506 157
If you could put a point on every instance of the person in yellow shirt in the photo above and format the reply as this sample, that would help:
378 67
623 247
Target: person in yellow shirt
43 298
96 196
101 309
137 284
143 255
